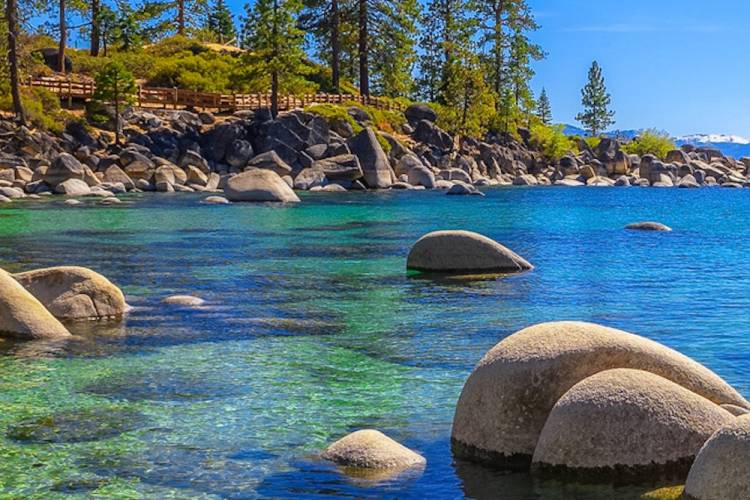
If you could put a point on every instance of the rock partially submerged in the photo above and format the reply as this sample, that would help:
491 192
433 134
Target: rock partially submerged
260 185
215 200
648 226
184 301
508 397
371 449
74 293
626 424
463 252
22 316
722 468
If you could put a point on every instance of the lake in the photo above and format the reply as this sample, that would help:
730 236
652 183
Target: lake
313 329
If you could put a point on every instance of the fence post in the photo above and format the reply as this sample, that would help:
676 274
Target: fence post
174 98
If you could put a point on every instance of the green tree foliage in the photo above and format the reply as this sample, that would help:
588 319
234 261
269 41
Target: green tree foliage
551 140
394 48
651 142
219 22
544 108
274 44
596 115
115 85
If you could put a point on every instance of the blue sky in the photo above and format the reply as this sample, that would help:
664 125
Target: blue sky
680 66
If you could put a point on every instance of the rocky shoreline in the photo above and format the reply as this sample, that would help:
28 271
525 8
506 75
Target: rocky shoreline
182 151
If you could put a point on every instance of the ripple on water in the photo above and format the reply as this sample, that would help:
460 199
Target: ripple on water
93 424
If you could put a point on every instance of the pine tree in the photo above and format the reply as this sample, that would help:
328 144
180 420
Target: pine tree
115 85
274 44
544 108
596 115
219 22
446 45
394 48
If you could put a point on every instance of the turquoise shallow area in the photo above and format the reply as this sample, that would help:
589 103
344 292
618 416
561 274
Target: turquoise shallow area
314 329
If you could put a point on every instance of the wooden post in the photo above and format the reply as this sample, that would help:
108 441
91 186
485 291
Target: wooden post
174 105
138 97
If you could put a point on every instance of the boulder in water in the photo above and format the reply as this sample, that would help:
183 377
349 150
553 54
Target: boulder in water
23 316
648 226
371 449
74 293
258 184
722 468
463 252
628 425
511 392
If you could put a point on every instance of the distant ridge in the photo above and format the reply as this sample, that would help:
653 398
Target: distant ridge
730 145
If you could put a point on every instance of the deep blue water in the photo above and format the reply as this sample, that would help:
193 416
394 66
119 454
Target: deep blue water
313 329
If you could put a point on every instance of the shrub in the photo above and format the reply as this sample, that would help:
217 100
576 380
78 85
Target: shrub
651 142
334 113
42 109
593 142
551 140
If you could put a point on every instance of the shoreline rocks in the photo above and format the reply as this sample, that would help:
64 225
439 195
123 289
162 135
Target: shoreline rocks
463 252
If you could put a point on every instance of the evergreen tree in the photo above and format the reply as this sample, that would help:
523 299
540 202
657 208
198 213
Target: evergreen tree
446 46
544 108
596 115
329 24
220 23
274 44
115 85
394 48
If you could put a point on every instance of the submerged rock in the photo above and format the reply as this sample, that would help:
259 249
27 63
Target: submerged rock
215 200
722 468
463 252
23 316
508 397
648 226
258 184
74 293
371 449
626 424
77 427
184 300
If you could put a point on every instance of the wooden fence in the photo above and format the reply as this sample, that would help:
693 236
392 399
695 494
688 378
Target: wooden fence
70 90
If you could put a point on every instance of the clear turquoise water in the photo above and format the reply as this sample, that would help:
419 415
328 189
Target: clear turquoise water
313 329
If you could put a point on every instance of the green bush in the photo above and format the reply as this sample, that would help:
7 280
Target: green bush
593 142
338 113
42 109
650 142
551 140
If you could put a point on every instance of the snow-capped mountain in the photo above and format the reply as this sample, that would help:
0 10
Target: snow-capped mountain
731 145
713 139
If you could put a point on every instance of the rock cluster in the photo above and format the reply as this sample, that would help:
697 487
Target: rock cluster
33 304
591 401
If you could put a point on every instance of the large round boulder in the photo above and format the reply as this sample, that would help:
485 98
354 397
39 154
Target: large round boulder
74 293
722 468
509 395
418 112
463 252
23 316
628 425
259 184
371 449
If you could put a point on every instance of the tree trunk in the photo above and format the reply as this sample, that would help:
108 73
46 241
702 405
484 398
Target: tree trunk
96 32
181 17
63 37
117 113
498 49
364 69
11 17
335 46
274 94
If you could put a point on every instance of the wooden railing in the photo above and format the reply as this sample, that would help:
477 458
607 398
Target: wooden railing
70 90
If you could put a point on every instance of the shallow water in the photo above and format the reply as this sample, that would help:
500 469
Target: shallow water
313 329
